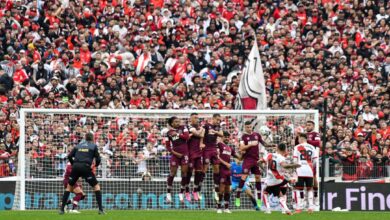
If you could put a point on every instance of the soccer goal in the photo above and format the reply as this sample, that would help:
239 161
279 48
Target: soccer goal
135 163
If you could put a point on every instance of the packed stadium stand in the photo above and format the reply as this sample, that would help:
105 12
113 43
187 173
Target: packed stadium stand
117 54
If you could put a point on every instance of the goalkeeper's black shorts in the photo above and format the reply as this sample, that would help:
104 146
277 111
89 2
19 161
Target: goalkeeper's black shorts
82 170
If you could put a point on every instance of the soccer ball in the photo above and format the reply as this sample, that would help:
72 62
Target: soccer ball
265 131
146 176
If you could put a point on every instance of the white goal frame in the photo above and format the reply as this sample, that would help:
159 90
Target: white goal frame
21 178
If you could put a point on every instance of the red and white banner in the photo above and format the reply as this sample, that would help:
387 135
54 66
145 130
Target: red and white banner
251 91
141 62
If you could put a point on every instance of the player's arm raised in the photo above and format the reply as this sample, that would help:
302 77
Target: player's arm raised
97 156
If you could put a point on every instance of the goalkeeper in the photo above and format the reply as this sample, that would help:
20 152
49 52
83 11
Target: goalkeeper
236 170
81 158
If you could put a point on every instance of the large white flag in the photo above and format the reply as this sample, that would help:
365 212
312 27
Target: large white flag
251 91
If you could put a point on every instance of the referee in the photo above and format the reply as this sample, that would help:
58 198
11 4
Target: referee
81 158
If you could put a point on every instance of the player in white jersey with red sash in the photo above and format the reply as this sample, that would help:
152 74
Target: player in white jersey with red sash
276 180
305 155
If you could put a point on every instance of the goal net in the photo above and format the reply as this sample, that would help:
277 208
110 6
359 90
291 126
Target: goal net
135 162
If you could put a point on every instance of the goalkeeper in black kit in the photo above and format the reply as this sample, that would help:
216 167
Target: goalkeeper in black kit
81 158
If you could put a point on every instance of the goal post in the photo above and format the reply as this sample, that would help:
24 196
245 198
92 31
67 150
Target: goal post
134 163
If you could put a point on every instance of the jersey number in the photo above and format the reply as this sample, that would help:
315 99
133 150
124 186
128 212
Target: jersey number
272 165
306 155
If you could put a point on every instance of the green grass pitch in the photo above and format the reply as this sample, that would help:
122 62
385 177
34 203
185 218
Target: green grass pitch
188 215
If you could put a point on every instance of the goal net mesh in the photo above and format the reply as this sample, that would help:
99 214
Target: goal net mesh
135 162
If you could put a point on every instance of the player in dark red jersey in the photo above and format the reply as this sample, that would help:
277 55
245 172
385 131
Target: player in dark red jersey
176 144
195 155
225 154
210 149
249 146
314 139
76 189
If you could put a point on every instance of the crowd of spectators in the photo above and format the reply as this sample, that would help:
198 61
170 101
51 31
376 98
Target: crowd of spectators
162 54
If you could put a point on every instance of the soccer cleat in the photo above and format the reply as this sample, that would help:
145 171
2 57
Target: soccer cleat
297 211
283 212
188 197
196 196
227 211
316 201
257 208
181 197
169 198
101 212
219 211
289 213
237 202
267 212
74 211
61 212
68 206
259 202
216 197
310 211
304 204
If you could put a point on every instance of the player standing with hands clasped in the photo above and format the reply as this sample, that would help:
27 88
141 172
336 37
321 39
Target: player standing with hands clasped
210 150
249 148
225 154
195 155
277 180
176 144
305 155
81 158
